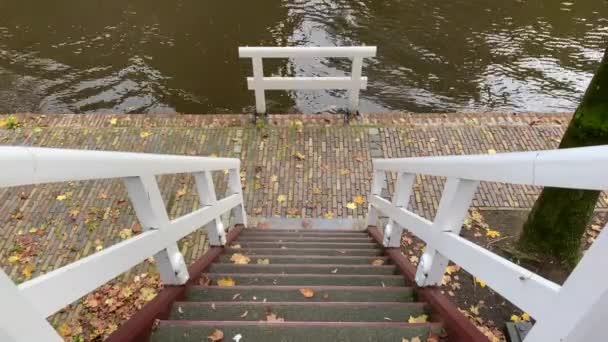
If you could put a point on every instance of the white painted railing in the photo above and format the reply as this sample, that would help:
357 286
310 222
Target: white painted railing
572 312
25 307
260 84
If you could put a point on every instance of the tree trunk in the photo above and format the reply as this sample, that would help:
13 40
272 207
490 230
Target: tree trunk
558 219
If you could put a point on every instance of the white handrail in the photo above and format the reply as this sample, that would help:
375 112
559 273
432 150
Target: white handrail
260 84
547 302
44 295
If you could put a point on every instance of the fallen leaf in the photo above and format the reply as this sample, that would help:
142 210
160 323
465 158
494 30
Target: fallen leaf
525 317
378 262
224 282
299 156
273 318
147 294
235 246
239 259
113 121
281 198
515 318
307 292
474 309
452 269
334 271
61 197
244 314
217 335
274 178
181 192
351 206
65 330
344 171
317 191
13 259
418 319
328 215
28 270
144 134
237 337
492 151
263 261
432 337
125 233
492 233
480 282
414 259
359 200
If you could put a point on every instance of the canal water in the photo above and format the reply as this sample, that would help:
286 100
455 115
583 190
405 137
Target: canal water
151 56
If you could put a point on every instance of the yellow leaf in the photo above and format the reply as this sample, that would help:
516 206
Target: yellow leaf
27 271
328 215
308 293
359 200
378 262
64 330
492 233
181 192
316 191
62 197
236 246
452 269
299 156
13 259
263 261
344 172
480 282
474 309
515 318
3 123
492 151
217 335
274 318
418 319
147 293
125 233
225 282
239 259
525 317
351 206
281 198
113 121
144 134
98 247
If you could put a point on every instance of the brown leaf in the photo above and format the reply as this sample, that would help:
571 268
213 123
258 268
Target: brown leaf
136 228
273 318
299 156
307 292
204 280
217 335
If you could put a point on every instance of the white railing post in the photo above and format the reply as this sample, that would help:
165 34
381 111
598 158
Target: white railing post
581 309
353 96
258 78
377 184
19 320
207 196
152 215
401 198
453 209
235 187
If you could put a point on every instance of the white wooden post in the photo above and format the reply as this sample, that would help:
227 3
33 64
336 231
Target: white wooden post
235 187
581 309
258 77
19 320
152 214
207 196
356 70
377 184
453 209
401 198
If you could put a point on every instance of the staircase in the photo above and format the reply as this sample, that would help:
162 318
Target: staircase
317 285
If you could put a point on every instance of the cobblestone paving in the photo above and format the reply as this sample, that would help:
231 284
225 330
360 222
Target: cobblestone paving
299 166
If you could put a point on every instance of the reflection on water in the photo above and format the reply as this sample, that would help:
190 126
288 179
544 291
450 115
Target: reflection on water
181 56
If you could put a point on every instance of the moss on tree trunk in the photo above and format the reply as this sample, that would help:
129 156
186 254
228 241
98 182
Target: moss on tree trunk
558 219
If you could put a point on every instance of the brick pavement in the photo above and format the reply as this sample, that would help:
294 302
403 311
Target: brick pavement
317 162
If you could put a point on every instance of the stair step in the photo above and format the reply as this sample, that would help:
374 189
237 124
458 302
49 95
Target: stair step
298 311
304 230
197 331
309 259
302 269
310 279
302 233
307 251
284 239
318 245
272 293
